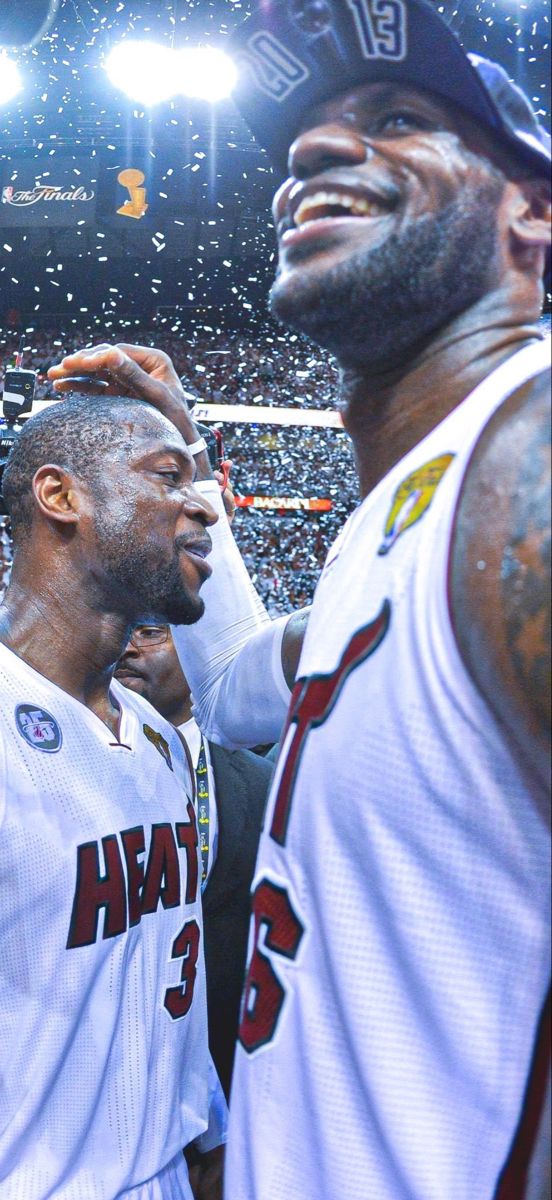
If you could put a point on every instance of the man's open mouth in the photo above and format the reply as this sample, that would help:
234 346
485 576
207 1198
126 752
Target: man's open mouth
325 204
325 199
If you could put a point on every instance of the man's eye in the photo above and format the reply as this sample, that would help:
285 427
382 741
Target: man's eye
174 476
402 120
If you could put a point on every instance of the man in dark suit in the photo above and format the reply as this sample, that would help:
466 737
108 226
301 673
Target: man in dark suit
231 789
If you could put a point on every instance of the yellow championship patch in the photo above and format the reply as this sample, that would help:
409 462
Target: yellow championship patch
161 744
413 498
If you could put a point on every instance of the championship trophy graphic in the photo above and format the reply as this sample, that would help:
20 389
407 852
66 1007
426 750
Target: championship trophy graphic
132 180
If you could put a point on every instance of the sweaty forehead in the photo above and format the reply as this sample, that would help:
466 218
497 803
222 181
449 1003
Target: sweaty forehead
142 427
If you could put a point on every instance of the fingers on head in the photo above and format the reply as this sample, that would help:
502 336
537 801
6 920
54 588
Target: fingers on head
140 352
80 385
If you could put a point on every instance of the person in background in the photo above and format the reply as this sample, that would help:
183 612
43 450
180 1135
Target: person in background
231 790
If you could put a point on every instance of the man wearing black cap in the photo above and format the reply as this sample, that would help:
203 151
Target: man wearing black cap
394 1014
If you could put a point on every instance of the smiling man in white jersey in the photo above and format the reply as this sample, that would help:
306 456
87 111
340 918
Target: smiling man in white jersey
104 1067
394 1012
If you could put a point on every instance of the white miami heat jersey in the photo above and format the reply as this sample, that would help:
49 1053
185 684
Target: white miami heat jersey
401 900
103 1046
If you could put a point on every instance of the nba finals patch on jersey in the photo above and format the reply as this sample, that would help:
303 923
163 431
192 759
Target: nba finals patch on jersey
38 727
161 744
413 498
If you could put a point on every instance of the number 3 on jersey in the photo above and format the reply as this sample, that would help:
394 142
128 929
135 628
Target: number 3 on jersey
277 928
178 1000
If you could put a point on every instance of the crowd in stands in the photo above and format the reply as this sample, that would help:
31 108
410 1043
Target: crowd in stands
268 367
284 552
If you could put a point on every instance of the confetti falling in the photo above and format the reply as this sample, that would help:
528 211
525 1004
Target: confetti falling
206 238
209 186
191 273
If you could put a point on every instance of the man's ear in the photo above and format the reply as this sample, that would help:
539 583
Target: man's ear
56 495
531 213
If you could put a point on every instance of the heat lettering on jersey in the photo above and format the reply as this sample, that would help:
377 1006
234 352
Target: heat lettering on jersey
311 704
127 896
276 926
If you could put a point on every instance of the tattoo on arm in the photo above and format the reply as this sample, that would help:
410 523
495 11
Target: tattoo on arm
525 574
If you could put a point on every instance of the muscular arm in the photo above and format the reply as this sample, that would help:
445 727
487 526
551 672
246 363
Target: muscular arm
500 580
292 644
238 663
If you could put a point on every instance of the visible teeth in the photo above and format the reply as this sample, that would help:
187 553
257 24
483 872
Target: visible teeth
321 204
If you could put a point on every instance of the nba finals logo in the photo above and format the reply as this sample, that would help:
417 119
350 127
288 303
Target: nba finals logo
136 205
413 498
43 193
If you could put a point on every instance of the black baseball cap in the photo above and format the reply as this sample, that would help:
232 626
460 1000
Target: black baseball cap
294 54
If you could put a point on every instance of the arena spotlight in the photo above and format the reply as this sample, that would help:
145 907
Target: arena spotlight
10 79
205 73
145 71
149 73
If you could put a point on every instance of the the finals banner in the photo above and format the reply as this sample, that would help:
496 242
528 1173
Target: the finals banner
53 190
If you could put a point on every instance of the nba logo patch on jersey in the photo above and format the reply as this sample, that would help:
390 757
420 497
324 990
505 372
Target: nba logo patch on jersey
39 728
413 498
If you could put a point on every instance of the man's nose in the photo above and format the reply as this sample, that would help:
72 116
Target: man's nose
326 146
199 508
129 651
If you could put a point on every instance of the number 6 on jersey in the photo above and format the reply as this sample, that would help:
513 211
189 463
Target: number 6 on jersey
278 927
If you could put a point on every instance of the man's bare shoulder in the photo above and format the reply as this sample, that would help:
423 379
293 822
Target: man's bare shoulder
500 569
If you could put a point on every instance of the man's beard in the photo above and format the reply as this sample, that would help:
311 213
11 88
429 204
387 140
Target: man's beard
376 306
136 582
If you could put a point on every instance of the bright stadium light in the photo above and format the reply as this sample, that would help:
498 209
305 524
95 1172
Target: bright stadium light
150 73
205 73
10 79
145 71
